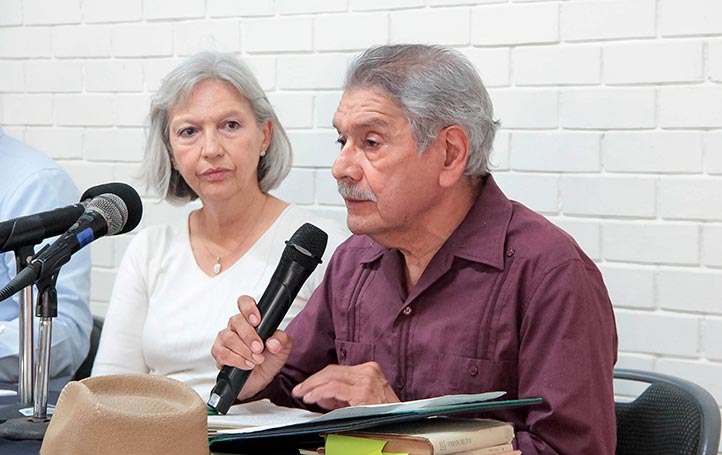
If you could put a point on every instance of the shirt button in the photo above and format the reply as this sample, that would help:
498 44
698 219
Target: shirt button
510 252
473 371
407 310
342 353
400 383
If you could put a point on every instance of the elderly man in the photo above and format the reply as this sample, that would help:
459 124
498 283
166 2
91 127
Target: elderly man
446 285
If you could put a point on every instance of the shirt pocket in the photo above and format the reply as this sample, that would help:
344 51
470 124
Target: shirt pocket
457 374
354 353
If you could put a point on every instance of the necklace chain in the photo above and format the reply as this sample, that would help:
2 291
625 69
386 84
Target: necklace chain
218 266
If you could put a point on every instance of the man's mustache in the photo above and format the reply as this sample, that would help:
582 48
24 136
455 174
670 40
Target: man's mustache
353 192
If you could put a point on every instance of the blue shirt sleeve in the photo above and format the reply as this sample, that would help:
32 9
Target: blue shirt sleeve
40 189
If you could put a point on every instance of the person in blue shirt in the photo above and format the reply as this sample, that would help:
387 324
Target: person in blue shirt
30 182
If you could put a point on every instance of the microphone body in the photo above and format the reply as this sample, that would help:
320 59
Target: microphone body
300 257
33 229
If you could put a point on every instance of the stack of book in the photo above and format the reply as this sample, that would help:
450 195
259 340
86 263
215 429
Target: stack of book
433 436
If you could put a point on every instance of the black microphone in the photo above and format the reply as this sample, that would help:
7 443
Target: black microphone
106 214
302 254
30 230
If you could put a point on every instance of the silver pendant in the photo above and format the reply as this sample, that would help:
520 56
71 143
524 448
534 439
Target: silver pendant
217 266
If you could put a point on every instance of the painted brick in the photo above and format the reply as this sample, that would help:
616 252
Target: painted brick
538 192
461 2
58 143
658 151
532 23
196 36
605 19
84 110
635 362
285 34
366 5
130 173
612 196
690 198
314 149
298 188
702 373
102 280
174 9
651 242
13 79
86 175
325 108
327 189
422 26
560 152
164 213
712 245
26 110
40 12
112 11
132 109
325 71
154 70
101 253
526 108
264 68
224 8
690 17
553 65
690 107
492 64
112 144
690 290
586 233
121 245
90 41
714 51
295 110
629 286
607 108
655 62
500 159
143 40
712 338
123 75
310 6
36 41
670 334
18 132
54 76
349 32
12 12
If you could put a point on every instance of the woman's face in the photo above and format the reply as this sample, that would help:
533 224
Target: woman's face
216 141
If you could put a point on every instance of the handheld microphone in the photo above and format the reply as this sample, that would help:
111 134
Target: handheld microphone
107 214
302 254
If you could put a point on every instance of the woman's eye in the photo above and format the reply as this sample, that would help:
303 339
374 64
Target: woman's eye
187 132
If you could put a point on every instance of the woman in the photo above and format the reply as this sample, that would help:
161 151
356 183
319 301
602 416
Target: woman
213 136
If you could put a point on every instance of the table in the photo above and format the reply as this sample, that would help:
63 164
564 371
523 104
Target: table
14 447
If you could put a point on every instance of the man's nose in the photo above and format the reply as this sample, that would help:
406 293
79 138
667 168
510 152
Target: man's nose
345 165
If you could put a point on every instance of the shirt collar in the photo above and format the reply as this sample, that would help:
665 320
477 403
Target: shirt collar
481 237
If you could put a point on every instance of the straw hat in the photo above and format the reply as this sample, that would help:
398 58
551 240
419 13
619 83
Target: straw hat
127 414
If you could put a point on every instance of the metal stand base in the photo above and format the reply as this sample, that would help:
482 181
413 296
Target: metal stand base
24 428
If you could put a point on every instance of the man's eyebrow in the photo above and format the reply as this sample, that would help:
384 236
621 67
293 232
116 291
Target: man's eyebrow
371 123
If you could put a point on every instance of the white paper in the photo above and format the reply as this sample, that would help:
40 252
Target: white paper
262 415
7 393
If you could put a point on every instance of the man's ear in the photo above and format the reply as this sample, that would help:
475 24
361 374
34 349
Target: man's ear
455 145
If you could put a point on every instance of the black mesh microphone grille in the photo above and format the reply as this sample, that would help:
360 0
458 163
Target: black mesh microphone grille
306 246
112 208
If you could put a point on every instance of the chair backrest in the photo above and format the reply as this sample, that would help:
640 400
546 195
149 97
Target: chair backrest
672 416
87 366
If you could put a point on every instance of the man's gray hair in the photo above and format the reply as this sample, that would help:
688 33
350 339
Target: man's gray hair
435 88
175 90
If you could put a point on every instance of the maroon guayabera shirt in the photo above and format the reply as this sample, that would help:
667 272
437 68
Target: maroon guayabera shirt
510 302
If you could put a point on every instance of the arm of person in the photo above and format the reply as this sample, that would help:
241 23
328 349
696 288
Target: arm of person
567 355
121 350
44 190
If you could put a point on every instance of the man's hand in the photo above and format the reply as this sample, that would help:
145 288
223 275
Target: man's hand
338 386
238 345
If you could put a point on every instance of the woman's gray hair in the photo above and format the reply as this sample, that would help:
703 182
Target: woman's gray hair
175 90
435 88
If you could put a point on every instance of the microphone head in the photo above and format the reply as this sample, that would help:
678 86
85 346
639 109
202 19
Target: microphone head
112 209
129 197
306 246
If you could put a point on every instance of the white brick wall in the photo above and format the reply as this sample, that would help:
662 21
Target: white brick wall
611 114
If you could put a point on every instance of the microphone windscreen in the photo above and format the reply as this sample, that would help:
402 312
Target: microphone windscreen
129 196
306 246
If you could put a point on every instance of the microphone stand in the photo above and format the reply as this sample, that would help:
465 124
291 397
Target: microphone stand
23 256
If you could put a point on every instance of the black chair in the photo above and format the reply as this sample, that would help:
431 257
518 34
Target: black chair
672 416
87 366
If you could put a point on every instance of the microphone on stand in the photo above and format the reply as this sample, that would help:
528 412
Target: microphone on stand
302 254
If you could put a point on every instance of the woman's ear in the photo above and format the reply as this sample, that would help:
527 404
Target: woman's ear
267 134
456 154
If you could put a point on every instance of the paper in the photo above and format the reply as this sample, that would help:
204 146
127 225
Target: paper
337 444
263 415
7 393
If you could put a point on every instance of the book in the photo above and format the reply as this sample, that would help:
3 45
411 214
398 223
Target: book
503 449
438 436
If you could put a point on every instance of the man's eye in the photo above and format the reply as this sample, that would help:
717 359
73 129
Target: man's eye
232 125
371 143
341 140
